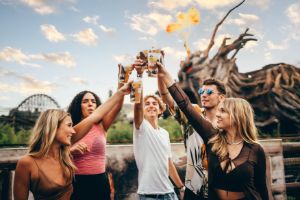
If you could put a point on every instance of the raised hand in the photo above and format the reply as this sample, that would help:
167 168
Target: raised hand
164 75
139 66
125 89
80 147
161 70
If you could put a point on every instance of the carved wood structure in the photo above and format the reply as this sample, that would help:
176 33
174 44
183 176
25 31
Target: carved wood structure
273 91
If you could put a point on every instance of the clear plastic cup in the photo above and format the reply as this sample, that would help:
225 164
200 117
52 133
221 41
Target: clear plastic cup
136 91
154 56
126 68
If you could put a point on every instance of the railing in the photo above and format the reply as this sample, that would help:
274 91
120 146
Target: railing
289 150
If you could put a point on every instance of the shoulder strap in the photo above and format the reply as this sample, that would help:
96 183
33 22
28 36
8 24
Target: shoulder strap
36 165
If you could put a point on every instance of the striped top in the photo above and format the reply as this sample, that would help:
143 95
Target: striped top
92 162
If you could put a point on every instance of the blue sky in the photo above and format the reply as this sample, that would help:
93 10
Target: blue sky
62 47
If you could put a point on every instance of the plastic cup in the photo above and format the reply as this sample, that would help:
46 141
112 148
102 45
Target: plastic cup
136 91
154 56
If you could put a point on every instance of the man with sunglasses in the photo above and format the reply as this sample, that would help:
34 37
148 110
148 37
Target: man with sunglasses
196 180
211 94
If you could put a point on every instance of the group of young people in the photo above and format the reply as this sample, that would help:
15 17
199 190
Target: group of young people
66 158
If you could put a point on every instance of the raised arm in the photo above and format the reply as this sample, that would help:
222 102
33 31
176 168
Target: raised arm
139 112
165 94
86 124
202 126
111 116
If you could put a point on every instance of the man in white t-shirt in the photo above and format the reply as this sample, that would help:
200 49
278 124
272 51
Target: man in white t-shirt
152 151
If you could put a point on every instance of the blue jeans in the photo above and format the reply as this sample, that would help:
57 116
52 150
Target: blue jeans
168 196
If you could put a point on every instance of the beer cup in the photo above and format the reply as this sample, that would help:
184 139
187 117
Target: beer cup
121 75
136 91
154 56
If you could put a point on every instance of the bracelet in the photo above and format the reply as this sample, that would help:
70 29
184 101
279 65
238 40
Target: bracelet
162 94
182 189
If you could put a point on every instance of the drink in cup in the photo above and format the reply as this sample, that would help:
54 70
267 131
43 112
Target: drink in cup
121 75
136 91
128 71
124 73
154 56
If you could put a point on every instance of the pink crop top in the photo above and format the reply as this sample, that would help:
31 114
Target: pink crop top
92 162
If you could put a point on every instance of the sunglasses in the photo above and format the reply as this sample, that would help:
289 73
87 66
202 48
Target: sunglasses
208 91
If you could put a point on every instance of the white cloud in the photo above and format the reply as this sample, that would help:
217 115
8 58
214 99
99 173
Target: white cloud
28 85
293 13
151 23
262 4
295 35
40 6
151 39
251 45
169 51
169 4
79 80
124 58
4 98
91 20
51 33
64 59
206 4
245 19
249 17
87 37
107 30
74 9
201 44
10 54
268 56
273 46
94 20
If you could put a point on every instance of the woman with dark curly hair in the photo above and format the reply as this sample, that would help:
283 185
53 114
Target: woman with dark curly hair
91 181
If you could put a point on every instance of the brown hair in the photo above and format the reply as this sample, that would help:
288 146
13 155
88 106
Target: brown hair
162 106
220 85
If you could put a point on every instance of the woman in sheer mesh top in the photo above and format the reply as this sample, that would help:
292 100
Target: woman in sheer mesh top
236 162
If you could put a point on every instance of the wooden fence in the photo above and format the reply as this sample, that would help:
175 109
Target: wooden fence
283 163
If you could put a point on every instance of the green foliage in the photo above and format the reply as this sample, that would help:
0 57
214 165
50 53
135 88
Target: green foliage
173 127
121 131
9 136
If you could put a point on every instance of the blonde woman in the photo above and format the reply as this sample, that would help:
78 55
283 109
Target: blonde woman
47 170
236 162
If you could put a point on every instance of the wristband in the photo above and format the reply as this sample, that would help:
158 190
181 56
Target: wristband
182 189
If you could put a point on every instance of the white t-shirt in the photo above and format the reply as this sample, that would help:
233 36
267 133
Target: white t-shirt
152 151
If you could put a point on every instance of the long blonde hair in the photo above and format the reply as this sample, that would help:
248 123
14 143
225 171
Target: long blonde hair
241 116
43 135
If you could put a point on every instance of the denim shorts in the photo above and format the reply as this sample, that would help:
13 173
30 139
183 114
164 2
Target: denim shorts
168 196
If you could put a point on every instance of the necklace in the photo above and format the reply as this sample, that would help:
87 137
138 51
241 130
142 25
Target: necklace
234 143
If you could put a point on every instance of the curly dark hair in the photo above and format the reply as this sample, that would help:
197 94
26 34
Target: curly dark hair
75 106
